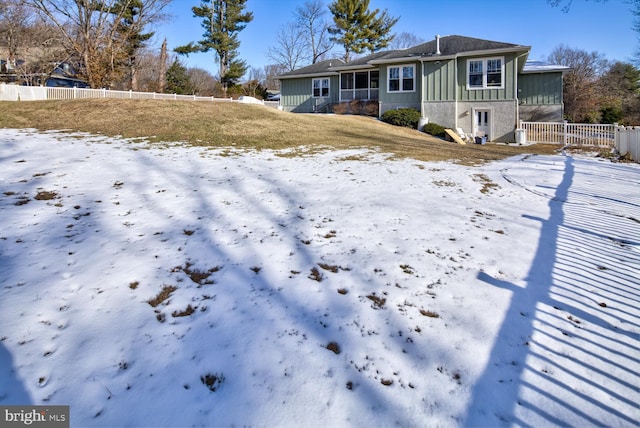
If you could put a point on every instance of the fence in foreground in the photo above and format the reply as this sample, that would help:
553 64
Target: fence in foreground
626 139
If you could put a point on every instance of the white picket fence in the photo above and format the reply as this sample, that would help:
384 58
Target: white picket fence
625 139
628 141
36 93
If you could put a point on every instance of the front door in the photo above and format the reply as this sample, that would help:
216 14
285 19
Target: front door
482 123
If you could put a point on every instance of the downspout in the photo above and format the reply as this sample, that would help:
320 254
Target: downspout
516 91
422 87
455 92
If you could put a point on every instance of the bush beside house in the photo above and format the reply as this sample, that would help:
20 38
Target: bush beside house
402 117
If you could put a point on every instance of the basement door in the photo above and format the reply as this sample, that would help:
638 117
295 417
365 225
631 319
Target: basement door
482 123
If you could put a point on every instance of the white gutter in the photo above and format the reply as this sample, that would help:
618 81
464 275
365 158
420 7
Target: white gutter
297 76
366 66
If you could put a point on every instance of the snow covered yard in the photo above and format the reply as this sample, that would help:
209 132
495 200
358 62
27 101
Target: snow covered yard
174 286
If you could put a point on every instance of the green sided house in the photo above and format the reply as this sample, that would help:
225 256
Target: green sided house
482 86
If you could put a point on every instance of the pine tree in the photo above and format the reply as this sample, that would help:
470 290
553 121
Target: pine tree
358 29
130 29
222 21
178 80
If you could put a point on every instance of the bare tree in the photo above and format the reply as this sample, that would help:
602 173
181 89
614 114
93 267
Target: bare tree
314 28
26 45
580 91
92 31
204 83
271 72
255 81
565 5
635 10
290 49
303 41
405 40
162 75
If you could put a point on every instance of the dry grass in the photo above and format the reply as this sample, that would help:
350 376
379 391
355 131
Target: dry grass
163 295
244 126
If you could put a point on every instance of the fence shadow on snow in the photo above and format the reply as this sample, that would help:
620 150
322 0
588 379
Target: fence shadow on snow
569 339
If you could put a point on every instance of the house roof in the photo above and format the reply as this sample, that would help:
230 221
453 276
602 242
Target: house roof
543 67
321 68
453 45
450 46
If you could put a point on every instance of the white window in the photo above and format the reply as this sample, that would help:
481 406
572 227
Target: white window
401 78
486 73
320 88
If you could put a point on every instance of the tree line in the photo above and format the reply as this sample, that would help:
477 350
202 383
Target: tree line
107 43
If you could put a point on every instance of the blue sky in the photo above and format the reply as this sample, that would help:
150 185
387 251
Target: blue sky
592 25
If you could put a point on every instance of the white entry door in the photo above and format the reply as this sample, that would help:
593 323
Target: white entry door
482 123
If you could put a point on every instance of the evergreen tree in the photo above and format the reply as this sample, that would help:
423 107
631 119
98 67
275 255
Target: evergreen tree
130 29
222 20
357 28
619 91
178 80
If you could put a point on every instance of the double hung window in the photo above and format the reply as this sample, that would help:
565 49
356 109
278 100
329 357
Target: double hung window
486 73
320 88
401 78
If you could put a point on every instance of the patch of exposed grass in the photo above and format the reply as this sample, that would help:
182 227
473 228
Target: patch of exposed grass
330 268
184 313
330 234
333 347
407 269
212 380
164 294
243 126
315 274
429 314
378 302
22 200
198 276
487 184
44 195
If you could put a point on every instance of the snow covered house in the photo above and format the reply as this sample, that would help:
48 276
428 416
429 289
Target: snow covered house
484 87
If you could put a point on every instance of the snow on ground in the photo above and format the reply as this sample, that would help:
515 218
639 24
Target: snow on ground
150 285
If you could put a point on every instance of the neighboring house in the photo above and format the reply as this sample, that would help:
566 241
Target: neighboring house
482 86
63 75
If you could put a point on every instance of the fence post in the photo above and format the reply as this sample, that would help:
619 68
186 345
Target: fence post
74 92
564 132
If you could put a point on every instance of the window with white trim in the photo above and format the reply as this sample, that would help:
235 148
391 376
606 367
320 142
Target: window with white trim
320 87
401 78
485 73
